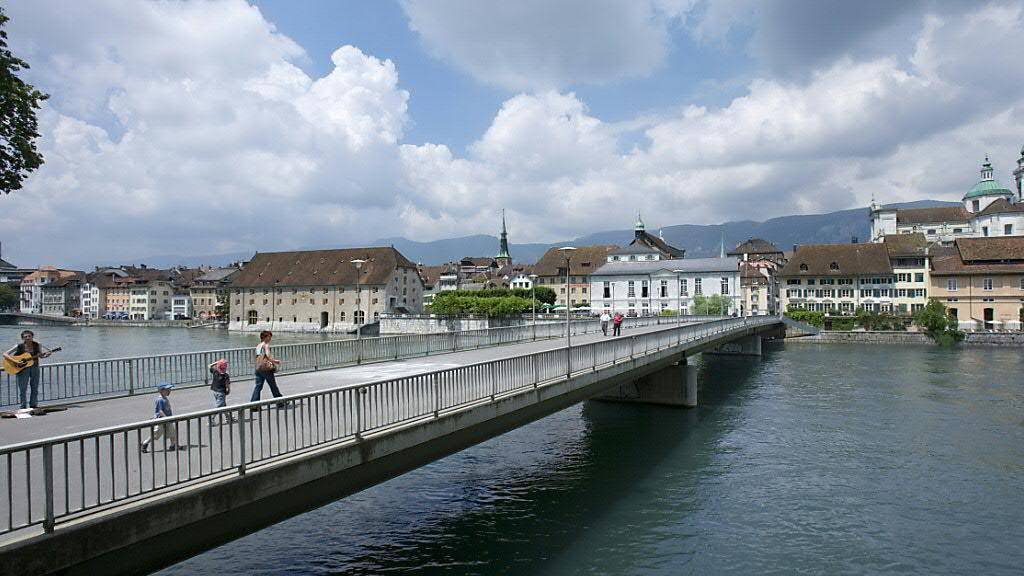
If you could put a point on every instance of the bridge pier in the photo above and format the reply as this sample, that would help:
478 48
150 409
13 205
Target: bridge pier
746 346
675 385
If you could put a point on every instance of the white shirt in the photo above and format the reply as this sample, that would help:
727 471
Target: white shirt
605 317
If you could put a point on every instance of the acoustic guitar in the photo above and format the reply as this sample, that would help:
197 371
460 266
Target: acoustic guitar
21 362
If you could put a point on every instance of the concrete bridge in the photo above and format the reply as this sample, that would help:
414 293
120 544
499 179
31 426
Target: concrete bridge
90 502
36 319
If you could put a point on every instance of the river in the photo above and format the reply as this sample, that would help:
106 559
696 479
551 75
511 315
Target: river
815 459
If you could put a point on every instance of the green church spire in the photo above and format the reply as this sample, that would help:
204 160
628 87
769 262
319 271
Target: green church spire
503 253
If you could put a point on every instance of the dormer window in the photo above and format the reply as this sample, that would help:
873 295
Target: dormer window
803 267
975 205
833 266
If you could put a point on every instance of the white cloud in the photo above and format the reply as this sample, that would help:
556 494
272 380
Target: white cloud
540 45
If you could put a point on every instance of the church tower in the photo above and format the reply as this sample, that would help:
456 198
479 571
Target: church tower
1018 176
503 258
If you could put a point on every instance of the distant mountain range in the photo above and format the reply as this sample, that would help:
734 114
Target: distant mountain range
698 240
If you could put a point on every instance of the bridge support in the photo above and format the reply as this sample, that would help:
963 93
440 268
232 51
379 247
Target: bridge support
675 385
747 346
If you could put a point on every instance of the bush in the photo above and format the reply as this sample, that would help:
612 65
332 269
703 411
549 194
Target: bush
708 305
9 297
875 321
843 324
937 323
454 303
668 312
816 319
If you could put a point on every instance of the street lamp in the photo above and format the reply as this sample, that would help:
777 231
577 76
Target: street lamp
533 297
679 293
359 299
567 255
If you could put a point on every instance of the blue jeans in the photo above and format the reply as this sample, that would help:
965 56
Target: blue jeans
262 377
220 399
29 378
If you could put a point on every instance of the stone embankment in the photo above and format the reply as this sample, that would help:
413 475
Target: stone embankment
972 339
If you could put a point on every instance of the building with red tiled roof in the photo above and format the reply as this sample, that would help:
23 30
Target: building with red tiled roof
323 290
981 282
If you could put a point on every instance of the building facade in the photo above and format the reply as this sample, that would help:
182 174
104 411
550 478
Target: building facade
650 287
988 209
210 292
760 260
323 290
838 279
981 282
150 298
32 285
583 261
62 297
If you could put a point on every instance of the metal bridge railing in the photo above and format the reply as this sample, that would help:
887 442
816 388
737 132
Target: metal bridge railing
78 475
125 376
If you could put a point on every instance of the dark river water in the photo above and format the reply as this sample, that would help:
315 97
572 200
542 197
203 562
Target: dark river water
815 459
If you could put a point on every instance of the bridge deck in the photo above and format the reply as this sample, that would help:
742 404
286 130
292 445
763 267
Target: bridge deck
83 416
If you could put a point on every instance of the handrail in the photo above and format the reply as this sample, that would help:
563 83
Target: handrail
112 377
86 473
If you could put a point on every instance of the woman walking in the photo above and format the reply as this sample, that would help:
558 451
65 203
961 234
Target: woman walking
266 365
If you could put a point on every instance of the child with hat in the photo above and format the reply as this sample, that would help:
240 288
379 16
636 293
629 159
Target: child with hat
220 384
163 410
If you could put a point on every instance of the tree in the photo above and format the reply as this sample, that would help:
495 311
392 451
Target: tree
932 318
19 127
708 305
8 297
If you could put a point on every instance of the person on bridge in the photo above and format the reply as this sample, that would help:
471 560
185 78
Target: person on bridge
605 319
162 409
617 324
220 383
28 378
266 365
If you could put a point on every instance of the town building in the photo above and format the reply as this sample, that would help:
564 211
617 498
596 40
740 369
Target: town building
62 296
150 296
909 258
838 279
988 209
96 287
760 260
981 282
210 292
645 247
181 306
583 261
31 290
323 289
652 286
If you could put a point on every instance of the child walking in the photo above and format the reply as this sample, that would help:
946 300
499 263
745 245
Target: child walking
220 384
162 409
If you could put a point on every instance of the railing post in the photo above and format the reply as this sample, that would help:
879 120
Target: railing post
131 377
359 412
437 394
48 519
536 373
494 382
241 441
359 350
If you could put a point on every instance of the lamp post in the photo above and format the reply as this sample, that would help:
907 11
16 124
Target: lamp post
567 255
533 305
359 307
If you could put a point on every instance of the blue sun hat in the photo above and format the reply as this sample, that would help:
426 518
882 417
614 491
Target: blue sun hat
164 386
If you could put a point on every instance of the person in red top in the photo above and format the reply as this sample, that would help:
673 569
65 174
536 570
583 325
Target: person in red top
617 324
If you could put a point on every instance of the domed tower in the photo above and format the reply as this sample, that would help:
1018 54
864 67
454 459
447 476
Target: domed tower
638 228
986 191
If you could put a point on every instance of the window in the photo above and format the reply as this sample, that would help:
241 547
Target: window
607 290
803 267
1008 229
931 231
725 285
810 281
958 230
951 284
791 281
697 287
631 289
359 316
919 277
975 205
663 289
252 317
986 283
683 290
984 229
1022 283
644 289
833 266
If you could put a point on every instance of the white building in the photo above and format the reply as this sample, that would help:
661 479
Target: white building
647 287
988 209
522 281
150 299
181 307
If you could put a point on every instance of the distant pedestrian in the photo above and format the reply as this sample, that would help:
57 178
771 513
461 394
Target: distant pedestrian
163 410
266 365
220 383
617 324
605 319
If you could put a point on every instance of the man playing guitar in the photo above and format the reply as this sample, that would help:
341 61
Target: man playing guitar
28 377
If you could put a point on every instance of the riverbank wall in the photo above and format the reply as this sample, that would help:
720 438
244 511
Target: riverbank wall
901 338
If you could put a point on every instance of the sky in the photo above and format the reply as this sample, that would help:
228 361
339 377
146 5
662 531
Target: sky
223 126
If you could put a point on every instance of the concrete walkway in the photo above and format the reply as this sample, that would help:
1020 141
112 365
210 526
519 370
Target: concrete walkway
85 416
